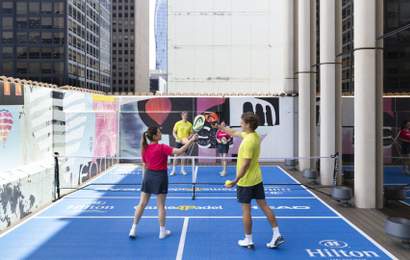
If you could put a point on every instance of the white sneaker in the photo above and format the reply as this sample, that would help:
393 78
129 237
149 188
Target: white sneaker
133 231
183 172
172 172
222 173
163 235
246 243
275 242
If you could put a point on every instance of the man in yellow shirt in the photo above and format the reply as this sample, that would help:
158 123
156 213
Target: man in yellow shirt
249 180
181 132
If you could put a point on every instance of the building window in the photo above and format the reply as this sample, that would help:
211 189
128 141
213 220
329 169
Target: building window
59 8
34 53
21 8
7 23
21 22
46 22
46 53
34 7
34 37
34 22
46 7
7 52
46 38
21 68
7 7
7 37
22 53
59 22
7 67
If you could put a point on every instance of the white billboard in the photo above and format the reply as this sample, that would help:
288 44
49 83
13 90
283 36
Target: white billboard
226 46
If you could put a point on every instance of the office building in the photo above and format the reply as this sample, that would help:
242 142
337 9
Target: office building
58 42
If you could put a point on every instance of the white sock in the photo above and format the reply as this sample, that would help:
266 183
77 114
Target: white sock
248 237
162 229
276 232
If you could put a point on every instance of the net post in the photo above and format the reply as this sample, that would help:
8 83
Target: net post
193 171
336 168
57 176
193 191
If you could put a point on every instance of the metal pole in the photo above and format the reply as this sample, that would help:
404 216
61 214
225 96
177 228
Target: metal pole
57 176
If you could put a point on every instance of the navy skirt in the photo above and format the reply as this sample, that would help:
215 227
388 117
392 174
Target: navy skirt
222 148
155 182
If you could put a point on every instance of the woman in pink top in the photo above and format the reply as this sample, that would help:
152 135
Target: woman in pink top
155 179
404 137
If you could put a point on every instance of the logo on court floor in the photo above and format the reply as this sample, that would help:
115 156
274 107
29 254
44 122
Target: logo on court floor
333 244
337 249
188 207
95 206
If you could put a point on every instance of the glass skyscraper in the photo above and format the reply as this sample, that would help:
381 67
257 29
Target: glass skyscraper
57 41
161 34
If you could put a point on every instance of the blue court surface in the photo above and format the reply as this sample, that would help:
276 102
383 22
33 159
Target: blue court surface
93 223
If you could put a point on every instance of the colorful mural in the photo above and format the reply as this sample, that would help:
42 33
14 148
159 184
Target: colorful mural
136 114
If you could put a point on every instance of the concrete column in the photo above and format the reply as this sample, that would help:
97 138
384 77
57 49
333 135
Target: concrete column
304 78
367 104
288 62
327 89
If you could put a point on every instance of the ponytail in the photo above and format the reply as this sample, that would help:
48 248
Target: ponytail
144 141
149 134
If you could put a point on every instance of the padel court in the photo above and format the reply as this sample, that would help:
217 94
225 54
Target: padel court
93 223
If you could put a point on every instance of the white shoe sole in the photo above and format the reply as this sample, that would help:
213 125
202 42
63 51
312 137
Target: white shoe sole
246 245
167 233
273 246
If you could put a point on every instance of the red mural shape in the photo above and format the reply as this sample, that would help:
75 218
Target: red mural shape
6 123
158 109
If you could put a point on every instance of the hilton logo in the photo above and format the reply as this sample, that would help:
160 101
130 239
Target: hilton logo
339 249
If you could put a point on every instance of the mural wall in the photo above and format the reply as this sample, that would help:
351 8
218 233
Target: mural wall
36 122
11 124
276 114
89 126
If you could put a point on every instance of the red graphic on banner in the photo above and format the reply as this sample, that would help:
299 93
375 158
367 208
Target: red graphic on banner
158 109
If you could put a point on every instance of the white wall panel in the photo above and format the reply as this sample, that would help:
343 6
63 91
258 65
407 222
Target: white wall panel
226 45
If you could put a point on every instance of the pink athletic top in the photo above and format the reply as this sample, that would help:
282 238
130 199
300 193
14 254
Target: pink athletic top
155 156
405 134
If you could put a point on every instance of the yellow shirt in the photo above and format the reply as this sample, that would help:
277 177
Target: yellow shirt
250 149
183 130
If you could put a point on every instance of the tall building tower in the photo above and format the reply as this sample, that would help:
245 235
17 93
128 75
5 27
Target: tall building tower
58 42
161 35
130 46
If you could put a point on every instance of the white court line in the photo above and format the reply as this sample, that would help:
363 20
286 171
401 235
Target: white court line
182 239
183 217
342 217
187 198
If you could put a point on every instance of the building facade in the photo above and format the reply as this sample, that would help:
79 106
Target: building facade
396 46
396 40
57 42
130 46
123 45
